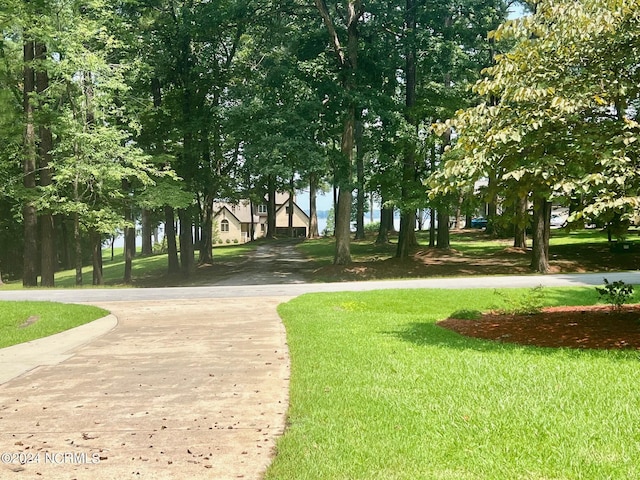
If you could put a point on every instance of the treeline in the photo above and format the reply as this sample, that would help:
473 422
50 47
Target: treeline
125 111
154 109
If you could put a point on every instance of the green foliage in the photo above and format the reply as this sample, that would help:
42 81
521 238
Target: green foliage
616 294
517 303
372 227
331 223
560 116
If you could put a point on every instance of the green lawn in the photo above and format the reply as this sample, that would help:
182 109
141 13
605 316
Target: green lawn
322 250
378 391
44 319
467 242
144 268
151 270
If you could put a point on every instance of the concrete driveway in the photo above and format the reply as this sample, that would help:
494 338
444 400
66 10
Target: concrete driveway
191 383
181 389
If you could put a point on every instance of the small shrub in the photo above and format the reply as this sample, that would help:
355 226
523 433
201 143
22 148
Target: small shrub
616 294
372 227
227 241
235 240
517 304
465 314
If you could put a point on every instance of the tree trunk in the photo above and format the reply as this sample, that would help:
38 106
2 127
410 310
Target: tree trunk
343 212
77 241
66 243
541 218
170 234
520 227
147 231
420 217
407 235
458 216
129 246
47 230
271 207
347 59
443 241
313 208
391 224
290 210
386 220
432 227
547 229
342 230
206 240
48 256
492 208
196 229
359 178
252 232
29 214
96 257
467 220
186 242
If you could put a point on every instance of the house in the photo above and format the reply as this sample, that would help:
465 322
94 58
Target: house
232 221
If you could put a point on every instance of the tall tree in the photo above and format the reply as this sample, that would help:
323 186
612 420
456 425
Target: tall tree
345 51
29 164
48 261
563 123
406 237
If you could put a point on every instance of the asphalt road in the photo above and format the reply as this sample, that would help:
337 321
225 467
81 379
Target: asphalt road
294 289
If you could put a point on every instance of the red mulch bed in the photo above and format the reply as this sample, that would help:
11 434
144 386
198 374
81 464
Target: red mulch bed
573 327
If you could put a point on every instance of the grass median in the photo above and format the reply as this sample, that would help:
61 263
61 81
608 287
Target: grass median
379 391
24 321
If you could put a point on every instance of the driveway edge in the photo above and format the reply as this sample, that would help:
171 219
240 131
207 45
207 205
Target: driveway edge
19 359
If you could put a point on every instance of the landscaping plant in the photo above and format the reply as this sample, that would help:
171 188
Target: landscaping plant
518 303
616 294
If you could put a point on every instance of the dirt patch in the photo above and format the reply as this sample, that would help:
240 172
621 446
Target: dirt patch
573 327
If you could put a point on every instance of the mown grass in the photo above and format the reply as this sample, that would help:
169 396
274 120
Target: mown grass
322 250
24 321
378 391
143 267
467 242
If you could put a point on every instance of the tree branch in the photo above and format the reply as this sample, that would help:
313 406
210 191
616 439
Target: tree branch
331 29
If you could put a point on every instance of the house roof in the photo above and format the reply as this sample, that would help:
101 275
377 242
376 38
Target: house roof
281 198
295 206
241 211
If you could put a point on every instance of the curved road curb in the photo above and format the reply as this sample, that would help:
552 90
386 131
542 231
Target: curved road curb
24 357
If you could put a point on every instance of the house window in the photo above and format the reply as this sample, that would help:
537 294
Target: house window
224 225
262 227
262 209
